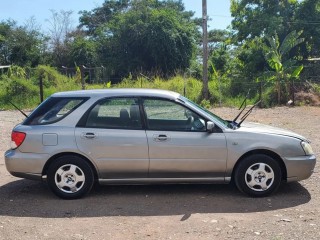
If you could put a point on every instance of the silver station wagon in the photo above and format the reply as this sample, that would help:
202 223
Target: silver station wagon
144 136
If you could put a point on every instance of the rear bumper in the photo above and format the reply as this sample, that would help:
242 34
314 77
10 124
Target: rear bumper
299 168
25 165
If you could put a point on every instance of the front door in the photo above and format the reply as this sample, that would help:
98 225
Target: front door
179 145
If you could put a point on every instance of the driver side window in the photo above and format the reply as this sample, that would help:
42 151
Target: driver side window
171 116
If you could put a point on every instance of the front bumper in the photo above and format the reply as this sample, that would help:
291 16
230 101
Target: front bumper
299 168
25 165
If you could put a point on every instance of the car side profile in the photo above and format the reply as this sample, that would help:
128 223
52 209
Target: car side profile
144 136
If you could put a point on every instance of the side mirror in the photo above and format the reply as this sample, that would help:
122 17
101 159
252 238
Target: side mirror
210 126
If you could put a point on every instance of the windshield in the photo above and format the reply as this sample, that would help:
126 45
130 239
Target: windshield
217 118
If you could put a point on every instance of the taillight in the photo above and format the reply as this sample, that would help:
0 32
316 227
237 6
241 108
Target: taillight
17 139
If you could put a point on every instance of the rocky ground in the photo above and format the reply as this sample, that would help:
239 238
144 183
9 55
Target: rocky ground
28 210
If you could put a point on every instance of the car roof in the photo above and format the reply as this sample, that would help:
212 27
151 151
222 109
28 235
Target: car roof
119 92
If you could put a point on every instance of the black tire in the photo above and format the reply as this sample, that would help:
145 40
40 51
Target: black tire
70 177
258 175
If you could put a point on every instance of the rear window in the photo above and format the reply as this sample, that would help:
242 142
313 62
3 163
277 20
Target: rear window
53 110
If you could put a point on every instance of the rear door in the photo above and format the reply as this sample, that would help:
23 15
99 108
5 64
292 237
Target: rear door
112 135
179 145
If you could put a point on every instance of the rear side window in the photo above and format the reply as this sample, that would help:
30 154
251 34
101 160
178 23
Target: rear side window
53 110
115 113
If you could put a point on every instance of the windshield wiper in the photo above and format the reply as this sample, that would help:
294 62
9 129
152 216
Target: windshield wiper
248 113
18 109
244 105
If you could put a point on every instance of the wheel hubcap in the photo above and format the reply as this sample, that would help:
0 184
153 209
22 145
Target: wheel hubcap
69 178
259 177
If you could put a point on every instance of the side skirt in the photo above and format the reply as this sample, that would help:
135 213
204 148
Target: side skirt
162 181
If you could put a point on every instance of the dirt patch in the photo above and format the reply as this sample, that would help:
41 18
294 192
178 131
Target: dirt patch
307 98
28 210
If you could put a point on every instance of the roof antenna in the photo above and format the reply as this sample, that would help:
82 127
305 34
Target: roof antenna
18 109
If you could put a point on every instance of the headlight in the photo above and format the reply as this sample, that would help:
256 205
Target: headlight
307 148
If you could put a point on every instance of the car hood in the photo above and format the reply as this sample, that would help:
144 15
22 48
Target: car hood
261 128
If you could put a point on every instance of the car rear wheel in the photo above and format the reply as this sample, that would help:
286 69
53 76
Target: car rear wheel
70 177
258 175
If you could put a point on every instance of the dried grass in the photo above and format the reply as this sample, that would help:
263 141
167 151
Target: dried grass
307 98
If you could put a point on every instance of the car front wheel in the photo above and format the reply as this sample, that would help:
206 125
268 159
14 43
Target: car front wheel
258 175
70 177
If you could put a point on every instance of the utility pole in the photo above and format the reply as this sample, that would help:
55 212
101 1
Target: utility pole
205 89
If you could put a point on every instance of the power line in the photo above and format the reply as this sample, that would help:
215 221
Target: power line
263 20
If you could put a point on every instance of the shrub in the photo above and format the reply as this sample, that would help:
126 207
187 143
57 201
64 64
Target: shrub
52 78
205 103
21 92
315 88
21 88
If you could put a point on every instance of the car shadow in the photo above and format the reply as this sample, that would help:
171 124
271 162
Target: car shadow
25 198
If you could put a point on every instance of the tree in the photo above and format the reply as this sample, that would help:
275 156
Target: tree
307 18
283 68
93 20
151 36
20 45
5 32
254 21
244 63
219 49
60 36
257 18
217 37
83 52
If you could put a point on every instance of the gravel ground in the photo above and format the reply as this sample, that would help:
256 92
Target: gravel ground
28 210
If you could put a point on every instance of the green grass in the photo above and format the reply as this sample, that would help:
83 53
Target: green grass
25 92
177 84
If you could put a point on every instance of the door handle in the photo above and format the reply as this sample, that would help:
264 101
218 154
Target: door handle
89 135
161 137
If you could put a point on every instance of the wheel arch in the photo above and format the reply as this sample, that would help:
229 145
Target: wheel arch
51 160
269 153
